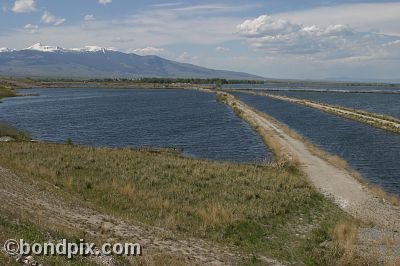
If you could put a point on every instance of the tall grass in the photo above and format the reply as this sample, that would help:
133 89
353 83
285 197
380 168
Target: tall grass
258 209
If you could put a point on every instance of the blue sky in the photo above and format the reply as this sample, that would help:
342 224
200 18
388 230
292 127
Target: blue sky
273 38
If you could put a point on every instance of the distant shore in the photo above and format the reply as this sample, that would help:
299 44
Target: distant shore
26 83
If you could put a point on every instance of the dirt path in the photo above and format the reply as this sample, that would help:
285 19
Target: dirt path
380 121
333 182
25 196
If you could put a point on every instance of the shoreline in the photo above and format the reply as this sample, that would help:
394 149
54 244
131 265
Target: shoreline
336 183
381 121
383 215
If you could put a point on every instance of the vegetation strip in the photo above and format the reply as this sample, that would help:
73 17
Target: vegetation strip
259 210
380 121
7 91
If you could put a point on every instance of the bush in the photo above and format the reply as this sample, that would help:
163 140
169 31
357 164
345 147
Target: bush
69 141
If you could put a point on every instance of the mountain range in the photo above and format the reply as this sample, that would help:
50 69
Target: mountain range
97 62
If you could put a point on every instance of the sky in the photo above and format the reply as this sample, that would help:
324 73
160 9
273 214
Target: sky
310 39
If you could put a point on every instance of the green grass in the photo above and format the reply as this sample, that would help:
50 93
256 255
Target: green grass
12 227
7 91
259 210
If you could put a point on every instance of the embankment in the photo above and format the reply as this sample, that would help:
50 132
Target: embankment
332 181
377 120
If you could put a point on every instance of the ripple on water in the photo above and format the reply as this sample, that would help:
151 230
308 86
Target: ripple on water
186 119
373 152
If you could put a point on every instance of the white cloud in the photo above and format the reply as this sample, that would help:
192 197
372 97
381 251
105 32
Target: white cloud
353 51
188 24
24 6
266 25
32 28
104 2
364 17
214 8
89 17
172 4
149 51
221 49
279 36
48 18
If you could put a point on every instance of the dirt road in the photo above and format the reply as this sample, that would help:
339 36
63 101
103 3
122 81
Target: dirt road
335 183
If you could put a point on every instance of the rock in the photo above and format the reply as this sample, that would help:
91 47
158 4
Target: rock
6 139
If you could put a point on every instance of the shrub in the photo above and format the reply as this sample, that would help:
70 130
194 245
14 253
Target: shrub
69 141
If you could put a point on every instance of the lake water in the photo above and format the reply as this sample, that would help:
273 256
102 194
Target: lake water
191 120
388 104
310 86
373 152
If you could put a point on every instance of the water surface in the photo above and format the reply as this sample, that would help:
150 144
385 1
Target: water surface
388 104
373 152
186 119
299 86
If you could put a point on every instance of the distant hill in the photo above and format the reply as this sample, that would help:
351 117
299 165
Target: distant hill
96 62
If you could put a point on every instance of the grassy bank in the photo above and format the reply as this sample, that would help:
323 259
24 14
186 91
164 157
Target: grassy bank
6 91
16 225
10 131
259 210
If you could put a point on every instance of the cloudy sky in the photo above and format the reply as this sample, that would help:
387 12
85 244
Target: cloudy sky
310 39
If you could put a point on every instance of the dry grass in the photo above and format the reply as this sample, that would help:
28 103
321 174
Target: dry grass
344 240
252 207
215 215
345 234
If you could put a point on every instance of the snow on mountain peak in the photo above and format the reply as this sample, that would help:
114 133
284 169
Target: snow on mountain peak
92 48
47 48
44 48
5 50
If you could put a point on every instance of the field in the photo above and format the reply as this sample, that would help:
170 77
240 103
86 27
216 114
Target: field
256 210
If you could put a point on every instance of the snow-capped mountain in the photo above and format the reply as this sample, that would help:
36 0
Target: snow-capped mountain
5 50
41 60
46 48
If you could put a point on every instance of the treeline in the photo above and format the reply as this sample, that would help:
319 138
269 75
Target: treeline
217 81
180 80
